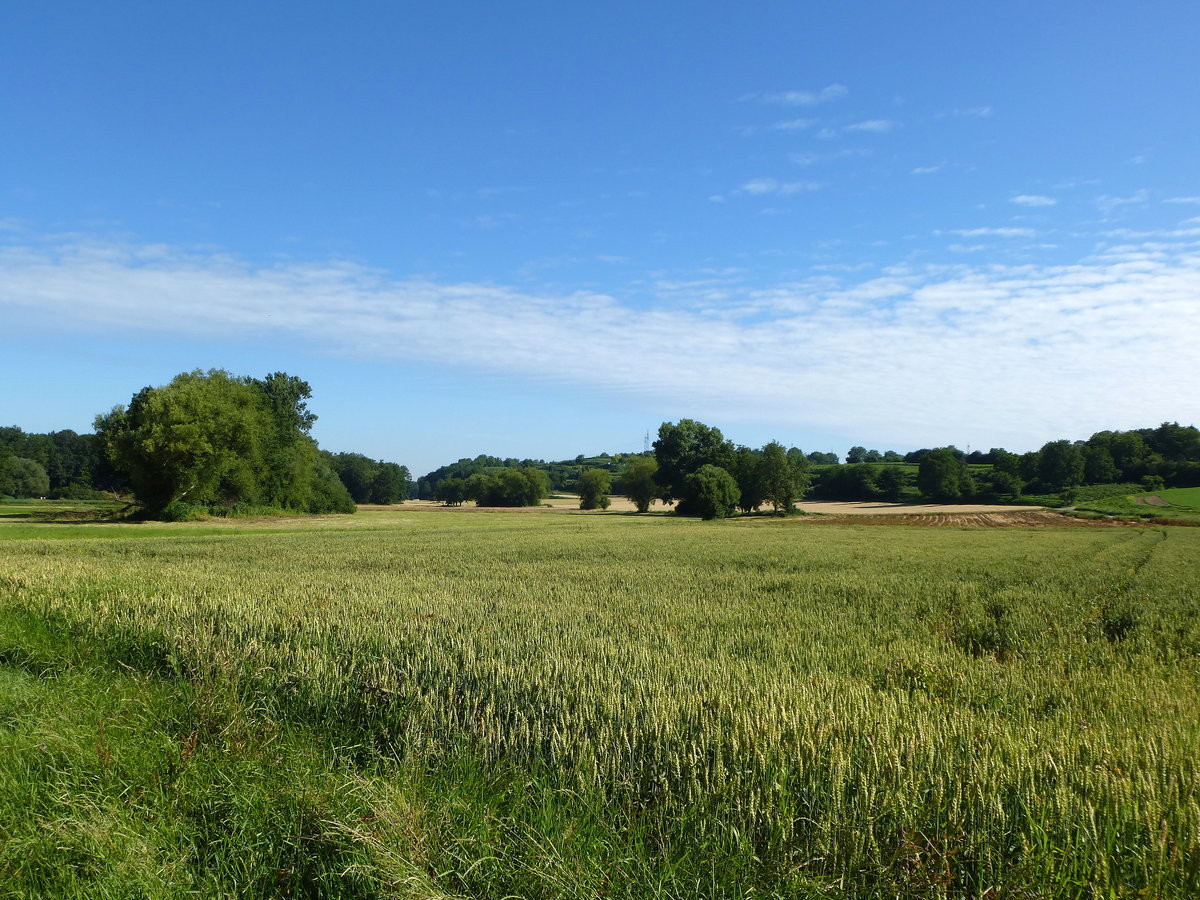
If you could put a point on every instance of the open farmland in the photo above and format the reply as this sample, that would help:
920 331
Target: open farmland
492 704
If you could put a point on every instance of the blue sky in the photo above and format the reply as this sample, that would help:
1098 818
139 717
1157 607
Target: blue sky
542 229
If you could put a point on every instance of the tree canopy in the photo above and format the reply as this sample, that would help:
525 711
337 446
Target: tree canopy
638 481
508 487
23 477
594 488
217 440
943 475
710 493
683 448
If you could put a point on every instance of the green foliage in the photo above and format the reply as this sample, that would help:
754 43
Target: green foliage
682 449
1061 465
848 482
211 439
637 481
1103 491
998 486
710 493
452 491
943 476
818 458
746 467
178 511
23 478
783 480
594 488
509 487
891 483
371 481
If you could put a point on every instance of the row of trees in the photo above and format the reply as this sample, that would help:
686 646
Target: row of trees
58 464
1167 455
505 487
369 480
706 475
563 475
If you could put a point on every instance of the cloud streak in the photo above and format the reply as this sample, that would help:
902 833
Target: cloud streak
826 94
991 354
1033 200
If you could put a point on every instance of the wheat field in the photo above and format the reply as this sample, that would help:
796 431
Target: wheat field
846 710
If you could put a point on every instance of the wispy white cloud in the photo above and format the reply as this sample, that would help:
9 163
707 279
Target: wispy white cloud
927 170
1070 183
792 125
811 159
1107 204
1182 200
801 98
970 112
1033 200
980 353
873 126
993 232
758 187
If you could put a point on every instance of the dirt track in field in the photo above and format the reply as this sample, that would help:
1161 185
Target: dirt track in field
1153 500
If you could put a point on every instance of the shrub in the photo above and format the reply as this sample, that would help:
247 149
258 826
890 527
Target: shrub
178 511
710 493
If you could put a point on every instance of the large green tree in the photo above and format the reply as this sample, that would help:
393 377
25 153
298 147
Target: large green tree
747 470
783 479
638 481
942 475
594 488
509 487
710 493
23 477
683 448
1060 465
214 439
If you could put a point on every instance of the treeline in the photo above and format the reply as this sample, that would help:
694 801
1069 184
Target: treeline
221 443
58 464
369 480
508 486
700 472
1152 458
207 442
564 475
693 467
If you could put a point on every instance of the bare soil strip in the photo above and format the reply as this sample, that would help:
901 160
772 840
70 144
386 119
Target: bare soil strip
1153 500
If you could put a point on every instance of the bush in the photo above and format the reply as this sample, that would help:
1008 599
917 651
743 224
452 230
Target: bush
178 511
710 493
594 485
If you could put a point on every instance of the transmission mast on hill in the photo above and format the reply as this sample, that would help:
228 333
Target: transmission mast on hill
646 443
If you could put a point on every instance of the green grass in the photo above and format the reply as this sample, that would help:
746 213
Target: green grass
57 510
449 703
1186 498
1183 504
